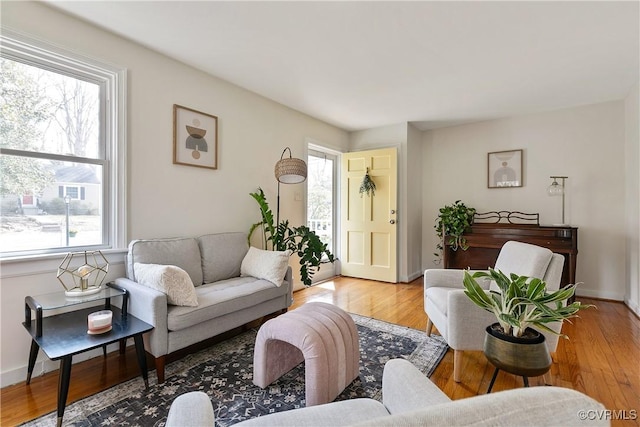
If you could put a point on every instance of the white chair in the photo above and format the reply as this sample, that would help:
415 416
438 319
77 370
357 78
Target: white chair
462 323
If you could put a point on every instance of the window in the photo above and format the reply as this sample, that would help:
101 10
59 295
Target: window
72 192
321 185
61 150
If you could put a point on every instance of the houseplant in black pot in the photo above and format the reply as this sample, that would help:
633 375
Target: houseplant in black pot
520 305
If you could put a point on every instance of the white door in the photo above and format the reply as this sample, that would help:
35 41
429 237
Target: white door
368 222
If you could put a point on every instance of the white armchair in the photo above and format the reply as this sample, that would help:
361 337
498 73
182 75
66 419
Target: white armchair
462 323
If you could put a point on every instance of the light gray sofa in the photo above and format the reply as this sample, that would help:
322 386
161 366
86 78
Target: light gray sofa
411 399
225 300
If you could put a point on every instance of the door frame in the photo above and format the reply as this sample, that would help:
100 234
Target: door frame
400 202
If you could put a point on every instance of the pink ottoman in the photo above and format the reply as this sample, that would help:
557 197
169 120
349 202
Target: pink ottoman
323 336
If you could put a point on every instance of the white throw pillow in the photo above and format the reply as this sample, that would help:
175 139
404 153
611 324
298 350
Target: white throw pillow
267 265
168 279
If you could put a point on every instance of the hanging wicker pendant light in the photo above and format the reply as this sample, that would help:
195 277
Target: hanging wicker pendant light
290 170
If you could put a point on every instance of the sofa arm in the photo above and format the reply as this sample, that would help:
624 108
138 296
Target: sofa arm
443 278
289 278
448 278
466 322
529 406
149 305
191 409
405 388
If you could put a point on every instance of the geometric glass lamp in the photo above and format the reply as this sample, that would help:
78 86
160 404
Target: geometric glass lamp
558 189
82 273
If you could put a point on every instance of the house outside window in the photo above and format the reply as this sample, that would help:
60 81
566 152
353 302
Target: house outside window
61 150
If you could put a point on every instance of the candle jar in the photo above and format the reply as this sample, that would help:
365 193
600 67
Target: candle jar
100 321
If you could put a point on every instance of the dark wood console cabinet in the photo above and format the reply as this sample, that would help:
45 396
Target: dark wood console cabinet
485 241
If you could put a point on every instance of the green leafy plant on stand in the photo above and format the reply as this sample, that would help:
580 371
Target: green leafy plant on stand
522 301
451 223
300 240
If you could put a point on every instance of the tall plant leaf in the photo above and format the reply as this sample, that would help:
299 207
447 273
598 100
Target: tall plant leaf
300 240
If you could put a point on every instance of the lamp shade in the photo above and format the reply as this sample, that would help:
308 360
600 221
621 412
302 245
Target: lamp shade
555 189
290 170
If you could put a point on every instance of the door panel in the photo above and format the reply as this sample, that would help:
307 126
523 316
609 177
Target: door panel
368 224
356 209
355 254
380 250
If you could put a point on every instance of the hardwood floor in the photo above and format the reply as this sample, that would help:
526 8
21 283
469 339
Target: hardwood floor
600 359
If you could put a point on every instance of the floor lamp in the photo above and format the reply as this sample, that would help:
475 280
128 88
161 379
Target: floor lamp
289 170
558 189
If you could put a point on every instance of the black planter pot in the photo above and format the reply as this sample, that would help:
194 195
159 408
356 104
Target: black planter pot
524 356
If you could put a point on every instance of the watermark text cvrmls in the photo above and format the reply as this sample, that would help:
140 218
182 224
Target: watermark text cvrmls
608 414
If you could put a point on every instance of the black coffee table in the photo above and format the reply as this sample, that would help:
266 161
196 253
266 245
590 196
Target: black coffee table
64 335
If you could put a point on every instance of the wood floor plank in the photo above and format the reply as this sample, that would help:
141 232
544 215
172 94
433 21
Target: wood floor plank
600 358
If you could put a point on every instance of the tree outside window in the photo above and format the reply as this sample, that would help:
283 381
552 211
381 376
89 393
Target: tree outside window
49 137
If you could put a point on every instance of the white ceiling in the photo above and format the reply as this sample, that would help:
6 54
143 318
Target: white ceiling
359 65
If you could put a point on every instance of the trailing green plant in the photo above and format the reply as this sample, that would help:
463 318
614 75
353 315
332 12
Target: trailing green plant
367 185
451 223
300 240
522 301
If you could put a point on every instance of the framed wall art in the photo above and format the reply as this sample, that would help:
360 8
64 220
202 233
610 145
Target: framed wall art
195 138
504 169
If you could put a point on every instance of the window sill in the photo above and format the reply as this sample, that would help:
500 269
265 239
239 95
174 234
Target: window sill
47 263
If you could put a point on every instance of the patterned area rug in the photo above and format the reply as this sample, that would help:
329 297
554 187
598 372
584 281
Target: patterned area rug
225 373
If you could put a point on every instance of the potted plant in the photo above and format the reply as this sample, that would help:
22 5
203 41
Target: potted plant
300 240
520 304
451 223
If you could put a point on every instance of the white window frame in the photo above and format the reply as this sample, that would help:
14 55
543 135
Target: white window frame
317 149
112 79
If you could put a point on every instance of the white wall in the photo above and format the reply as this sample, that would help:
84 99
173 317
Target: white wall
413 173
632 157
165 199
587 144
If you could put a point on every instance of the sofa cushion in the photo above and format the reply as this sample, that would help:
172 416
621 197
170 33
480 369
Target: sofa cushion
267 265
181 252
522 259
220 298
168 279
222 255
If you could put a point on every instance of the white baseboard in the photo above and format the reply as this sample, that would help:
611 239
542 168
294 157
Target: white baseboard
591 293
632 306
411 277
